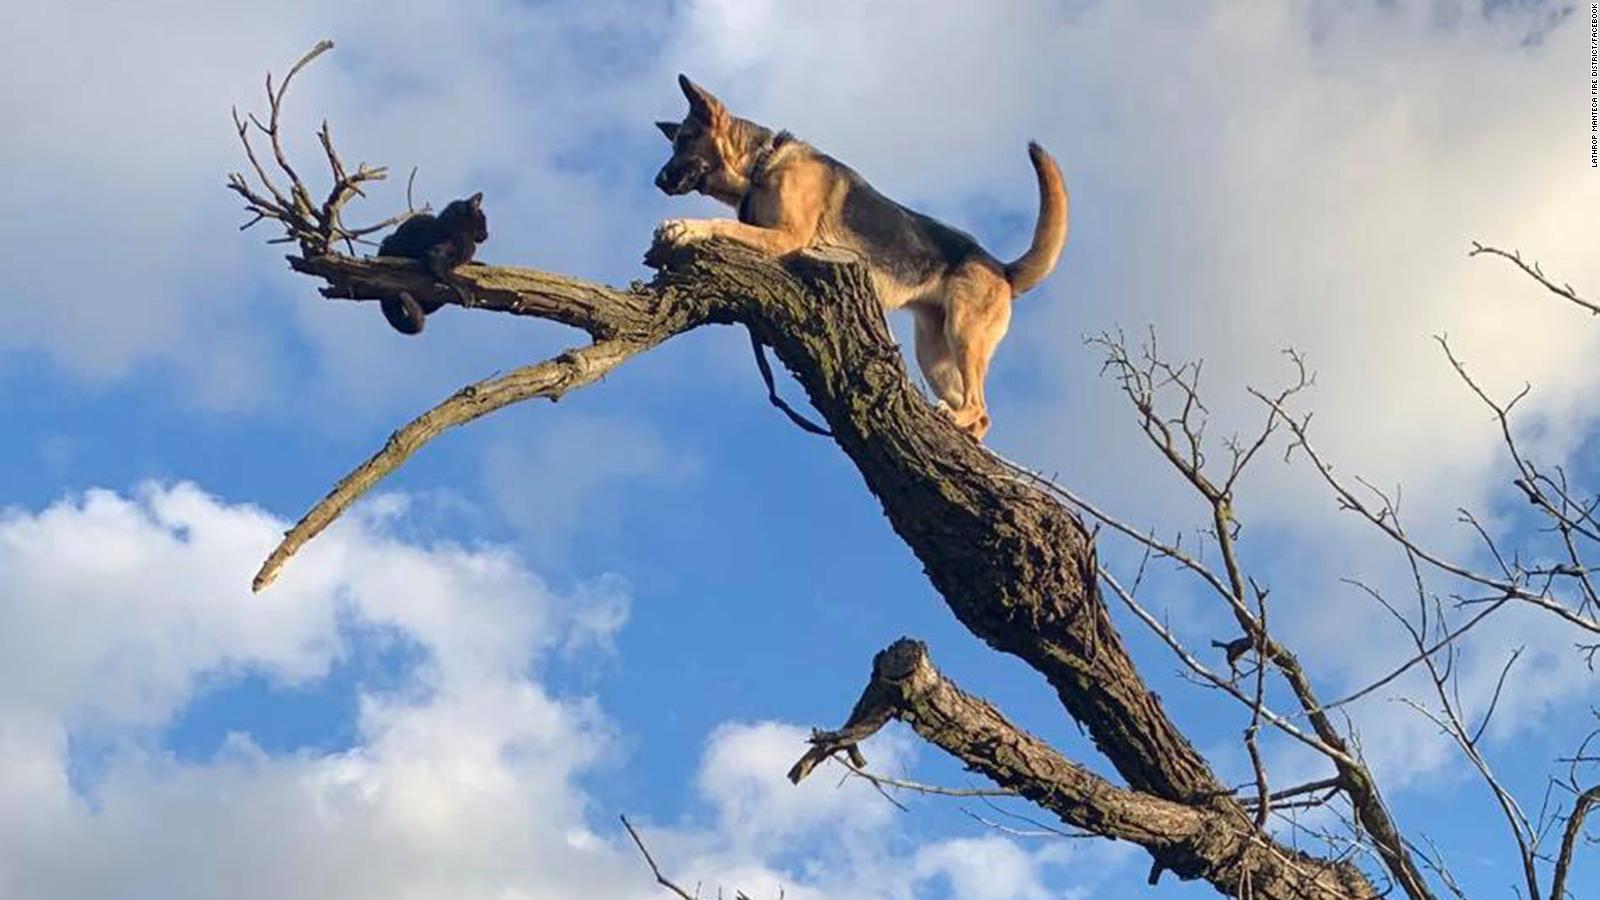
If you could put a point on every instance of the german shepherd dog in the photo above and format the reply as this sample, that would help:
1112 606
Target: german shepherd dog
790 196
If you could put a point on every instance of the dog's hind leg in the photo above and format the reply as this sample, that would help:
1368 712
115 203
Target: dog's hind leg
938 364
979 312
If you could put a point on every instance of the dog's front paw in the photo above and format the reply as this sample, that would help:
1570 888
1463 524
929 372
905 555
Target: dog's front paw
670 236
679 231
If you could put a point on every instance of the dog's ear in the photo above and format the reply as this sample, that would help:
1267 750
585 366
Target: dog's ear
702 105
670 129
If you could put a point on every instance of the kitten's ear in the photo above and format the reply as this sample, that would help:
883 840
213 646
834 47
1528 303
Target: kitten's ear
702 105
670 129
476 200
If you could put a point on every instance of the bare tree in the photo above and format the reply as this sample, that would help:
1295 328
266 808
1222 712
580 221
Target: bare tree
1013 557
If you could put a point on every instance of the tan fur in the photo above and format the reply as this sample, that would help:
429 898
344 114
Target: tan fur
962 313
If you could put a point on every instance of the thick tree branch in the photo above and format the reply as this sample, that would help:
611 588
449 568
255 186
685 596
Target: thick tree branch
1220 845
602 311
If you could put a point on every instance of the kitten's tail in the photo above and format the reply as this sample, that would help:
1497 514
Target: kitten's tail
404 313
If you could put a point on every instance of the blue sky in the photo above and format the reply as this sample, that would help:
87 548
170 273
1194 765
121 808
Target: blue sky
637 600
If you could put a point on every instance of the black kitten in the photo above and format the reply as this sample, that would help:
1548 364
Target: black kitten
440 243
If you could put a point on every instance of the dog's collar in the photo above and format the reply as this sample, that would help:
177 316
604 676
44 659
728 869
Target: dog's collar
764 155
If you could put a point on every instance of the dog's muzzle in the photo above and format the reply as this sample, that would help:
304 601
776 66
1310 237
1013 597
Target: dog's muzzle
680 179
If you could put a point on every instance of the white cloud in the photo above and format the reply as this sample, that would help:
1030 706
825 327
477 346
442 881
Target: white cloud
114 598
115 611
987 868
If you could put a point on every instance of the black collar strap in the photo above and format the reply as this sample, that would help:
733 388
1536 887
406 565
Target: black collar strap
764 155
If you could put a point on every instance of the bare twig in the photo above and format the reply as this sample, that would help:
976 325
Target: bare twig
1494 701
1384 520
1442 643
1443 675
1321 784
315 227
804 423
1531 479
1564 291
1225 685
1044 832
1263 659
932 790
1040 829
655 869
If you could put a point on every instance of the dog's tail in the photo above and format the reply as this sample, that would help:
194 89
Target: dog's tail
1050 233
